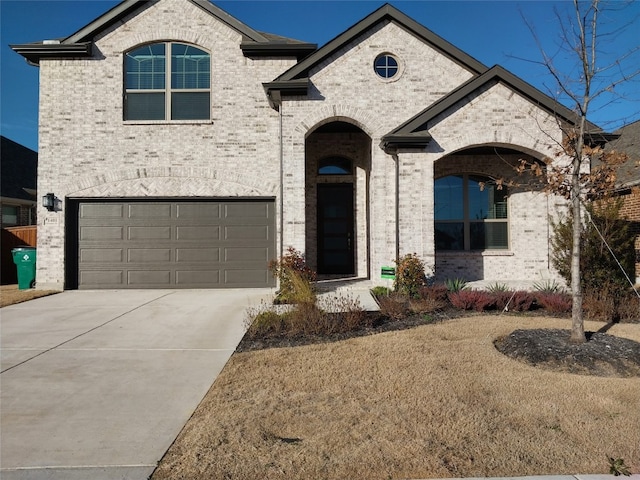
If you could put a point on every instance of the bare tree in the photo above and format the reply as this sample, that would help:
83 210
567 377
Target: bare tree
583 37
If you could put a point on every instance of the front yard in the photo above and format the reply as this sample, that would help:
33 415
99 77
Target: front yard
436 400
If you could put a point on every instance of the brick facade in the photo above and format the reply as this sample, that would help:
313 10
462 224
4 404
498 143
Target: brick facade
88 151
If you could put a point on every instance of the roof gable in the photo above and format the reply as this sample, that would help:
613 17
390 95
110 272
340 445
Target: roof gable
79 43
384 13
413 133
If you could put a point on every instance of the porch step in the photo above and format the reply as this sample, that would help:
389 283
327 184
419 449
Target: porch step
357 288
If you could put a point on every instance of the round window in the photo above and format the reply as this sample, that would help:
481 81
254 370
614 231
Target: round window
386 66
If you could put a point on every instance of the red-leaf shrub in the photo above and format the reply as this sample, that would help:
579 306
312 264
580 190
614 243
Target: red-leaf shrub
521 301
472 300
435 293
554 302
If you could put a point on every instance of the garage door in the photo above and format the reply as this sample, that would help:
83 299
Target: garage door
175 244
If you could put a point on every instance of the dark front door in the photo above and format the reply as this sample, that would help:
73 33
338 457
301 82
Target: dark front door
335 228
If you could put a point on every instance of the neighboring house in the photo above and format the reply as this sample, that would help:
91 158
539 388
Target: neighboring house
18 176
186 149
628 181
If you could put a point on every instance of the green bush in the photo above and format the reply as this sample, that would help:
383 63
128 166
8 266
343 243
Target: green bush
598 268
410 275
455 284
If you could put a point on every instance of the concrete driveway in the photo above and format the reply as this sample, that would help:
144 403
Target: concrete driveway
98 384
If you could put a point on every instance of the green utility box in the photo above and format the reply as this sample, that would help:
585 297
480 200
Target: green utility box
25 260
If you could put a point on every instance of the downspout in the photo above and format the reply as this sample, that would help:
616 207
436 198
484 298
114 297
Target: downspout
396 159
281 146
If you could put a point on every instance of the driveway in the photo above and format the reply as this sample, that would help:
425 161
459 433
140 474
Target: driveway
98 384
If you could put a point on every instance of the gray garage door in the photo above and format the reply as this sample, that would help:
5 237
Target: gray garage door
175 244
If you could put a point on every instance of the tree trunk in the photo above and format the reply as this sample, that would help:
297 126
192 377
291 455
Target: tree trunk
577 322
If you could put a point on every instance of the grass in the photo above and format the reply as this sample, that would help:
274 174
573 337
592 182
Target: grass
10 295
433 401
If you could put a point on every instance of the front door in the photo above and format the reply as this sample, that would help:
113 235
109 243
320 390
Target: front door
335 228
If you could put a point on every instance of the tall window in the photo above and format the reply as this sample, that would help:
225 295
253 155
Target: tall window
157 89
470 214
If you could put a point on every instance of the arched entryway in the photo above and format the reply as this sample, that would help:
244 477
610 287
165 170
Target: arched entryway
337 167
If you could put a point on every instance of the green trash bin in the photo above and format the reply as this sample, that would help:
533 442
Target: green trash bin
25 260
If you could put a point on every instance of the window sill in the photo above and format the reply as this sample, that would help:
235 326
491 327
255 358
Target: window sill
167 122
475 253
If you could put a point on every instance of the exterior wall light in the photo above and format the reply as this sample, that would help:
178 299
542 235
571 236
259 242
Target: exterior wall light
49 202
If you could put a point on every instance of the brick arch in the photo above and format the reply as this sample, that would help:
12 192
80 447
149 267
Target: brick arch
363 119
171 181
462 143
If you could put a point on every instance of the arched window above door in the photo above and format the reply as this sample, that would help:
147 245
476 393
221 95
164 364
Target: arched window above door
335 166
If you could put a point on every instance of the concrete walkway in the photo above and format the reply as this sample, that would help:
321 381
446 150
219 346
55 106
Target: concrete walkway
98 384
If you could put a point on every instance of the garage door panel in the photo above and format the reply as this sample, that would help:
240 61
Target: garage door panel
149 255
247 254
101 211
148 210
100 278
144 278
205 278
101 233
243 277
199 211
149 233
150 243
198 255
198 233
246 233
101 255
236 211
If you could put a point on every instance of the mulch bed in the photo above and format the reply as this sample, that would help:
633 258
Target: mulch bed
602 355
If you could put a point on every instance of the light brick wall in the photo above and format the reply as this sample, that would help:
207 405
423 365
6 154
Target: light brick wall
87 150
347 89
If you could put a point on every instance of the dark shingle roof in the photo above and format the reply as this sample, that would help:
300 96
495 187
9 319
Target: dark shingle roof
629 143
79 44
18 169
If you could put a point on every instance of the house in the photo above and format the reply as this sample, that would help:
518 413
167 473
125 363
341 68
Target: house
628 181
186 149
18 175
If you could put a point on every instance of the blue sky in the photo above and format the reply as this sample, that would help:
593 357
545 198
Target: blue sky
493 32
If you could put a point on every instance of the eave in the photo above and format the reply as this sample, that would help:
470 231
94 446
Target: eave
392 142
298 50
278 89
33 52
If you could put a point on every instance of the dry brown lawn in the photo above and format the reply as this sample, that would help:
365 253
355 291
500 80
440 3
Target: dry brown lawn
433 401
10 295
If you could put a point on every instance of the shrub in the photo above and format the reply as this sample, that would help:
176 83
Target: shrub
598 267
548 286
497 288
471 300
610 303
409 275
379 291
291 267
554 302
629 308
394 306
264 321
501 299
456 284
521 301
426 305
434 292
346 314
